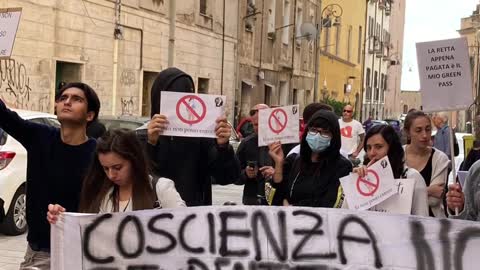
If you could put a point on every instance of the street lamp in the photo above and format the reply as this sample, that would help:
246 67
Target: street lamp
330 16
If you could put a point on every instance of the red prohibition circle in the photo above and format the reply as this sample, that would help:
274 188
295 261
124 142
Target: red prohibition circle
274 118
199 117
368 183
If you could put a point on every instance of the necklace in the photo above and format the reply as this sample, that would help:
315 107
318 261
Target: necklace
126 206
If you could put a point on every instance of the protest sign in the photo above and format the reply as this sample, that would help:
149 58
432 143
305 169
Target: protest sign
462 175
401 201
9 20
445 77
262 237
191 115
377 186
278 124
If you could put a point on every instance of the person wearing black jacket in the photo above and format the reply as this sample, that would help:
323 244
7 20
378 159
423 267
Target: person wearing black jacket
256 164
313 178
190 162
57 161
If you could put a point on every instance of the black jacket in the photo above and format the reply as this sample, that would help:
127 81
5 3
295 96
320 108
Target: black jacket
249 151
189 162
314 184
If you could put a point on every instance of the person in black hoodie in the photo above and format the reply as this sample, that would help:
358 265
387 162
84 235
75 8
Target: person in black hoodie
313 178
190 162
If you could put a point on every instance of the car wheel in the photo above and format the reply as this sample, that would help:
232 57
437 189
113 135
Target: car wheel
15 222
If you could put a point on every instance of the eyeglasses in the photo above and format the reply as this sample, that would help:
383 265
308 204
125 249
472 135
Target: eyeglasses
347 111
323 132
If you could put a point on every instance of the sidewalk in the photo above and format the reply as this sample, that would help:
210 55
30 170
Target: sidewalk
12 250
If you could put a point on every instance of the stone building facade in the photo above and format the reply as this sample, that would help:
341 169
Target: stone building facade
118 47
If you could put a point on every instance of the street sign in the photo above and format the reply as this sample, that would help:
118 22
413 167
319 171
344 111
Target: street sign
9 21
278 124
191 115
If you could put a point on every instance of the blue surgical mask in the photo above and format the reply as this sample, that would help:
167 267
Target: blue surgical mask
317 142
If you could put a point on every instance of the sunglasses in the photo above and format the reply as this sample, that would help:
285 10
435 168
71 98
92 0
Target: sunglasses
252 112
347 111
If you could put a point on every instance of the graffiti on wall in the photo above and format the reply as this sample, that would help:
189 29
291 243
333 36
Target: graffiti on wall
15 87
128 105
127 78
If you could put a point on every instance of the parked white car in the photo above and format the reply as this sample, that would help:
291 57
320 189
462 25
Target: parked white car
13 171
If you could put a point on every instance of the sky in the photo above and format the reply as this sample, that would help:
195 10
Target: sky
428 20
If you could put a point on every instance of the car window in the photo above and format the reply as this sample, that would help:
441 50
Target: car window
3 137
37 120
114 124
52 122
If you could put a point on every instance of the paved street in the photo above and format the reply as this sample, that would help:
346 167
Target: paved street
12 248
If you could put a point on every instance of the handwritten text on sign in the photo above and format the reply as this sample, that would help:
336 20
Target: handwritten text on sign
191 115
445 76
207 238
278 124
9 20
365 192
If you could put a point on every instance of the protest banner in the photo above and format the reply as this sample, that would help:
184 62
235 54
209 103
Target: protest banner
377 186
191 115
9 21
278 124
262 237
462 175
445 77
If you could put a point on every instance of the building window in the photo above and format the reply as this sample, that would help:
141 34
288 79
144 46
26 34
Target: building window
368 77
203 7
359 52
375 85
203 85
295 96
268 95
271 19
337 39
286 21
298 25
405 109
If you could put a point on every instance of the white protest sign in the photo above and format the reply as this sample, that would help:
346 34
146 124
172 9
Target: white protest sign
401 201
376 187
462 175
191 115
445 77
9 20
262 238
278 124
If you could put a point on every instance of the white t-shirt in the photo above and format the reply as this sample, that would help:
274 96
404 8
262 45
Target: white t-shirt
350 132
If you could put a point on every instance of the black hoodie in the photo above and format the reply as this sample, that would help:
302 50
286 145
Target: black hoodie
189 162
307 183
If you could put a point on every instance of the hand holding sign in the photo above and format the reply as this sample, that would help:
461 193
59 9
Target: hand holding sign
455 197
222 130
276 152
155 127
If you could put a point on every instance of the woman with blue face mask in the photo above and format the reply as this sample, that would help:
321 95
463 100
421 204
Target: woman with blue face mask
313 178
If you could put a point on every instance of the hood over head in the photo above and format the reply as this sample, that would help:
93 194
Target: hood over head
171 79
327 120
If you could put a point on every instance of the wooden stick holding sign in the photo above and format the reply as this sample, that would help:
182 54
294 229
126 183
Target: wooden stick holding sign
9 21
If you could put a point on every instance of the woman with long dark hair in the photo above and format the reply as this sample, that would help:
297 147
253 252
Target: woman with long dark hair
383 140
431 163
313 178
118 180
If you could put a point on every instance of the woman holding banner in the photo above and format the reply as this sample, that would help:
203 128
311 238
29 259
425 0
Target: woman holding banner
118 180
313 178
430 162
383 140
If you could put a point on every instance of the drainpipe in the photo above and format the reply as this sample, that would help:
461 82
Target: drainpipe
171 33
118 5
223 50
